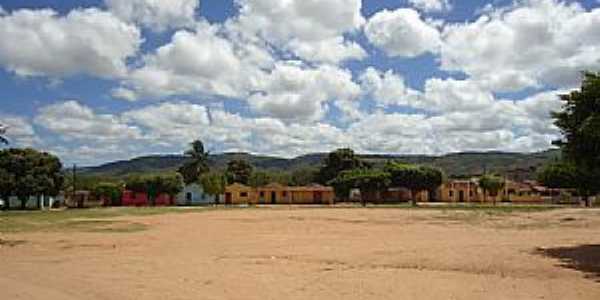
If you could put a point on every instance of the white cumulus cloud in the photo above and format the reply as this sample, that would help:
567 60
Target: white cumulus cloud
85 41
402 32
158 15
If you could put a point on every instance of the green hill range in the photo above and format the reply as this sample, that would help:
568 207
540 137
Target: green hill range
519 166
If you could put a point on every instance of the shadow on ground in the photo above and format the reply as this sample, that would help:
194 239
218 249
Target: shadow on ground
583 258
9 243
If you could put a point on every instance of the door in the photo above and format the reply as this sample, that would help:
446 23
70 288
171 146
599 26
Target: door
318 197
461 196
188 198
273 197
227 198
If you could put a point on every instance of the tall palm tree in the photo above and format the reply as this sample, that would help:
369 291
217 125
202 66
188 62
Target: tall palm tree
197 164
3 139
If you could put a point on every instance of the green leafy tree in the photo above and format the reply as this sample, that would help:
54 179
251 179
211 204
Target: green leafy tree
303 176
370 183
7 186
414 178
31 173
239 171
338 161
214 184
558 175
197 164
259 178
262 178
579 122
108 191
491 184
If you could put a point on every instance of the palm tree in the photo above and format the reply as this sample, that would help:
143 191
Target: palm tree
3 139
197 164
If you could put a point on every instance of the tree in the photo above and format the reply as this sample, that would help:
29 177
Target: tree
262 178
491 184
7 186
3 139
197 164
558 175
303 176
579 122
213 183
414 178
370 183
30 173
259 178
338 161
108 191
239 171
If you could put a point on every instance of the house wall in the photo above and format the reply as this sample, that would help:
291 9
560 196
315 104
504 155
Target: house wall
82 199
198 196
272 195
459 191
239 194
131 198
283 195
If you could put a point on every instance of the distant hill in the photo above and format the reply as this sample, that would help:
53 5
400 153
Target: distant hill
517 165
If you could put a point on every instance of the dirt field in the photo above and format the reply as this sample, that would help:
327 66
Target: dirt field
311 254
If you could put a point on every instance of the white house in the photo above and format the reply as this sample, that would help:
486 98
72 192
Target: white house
45 202
193 194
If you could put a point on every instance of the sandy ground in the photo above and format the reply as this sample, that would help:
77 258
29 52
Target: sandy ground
315 254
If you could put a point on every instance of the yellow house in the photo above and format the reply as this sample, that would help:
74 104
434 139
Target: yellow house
522 192
275 193
469 191
313 194
460 191
237 194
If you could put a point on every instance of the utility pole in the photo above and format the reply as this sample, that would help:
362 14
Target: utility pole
74 183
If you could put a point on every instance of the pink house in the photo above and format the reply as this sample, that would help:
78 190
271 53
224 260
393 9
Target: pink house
131 198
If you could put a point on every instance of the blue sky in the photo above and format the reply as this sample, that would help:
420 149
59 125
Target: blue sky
95 81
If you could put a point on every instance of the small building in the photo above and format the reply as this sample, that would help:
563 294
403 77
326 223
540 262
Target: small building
312 194
522 192
131 198
460 191
237 194
82 199
193 194
32 202
275 193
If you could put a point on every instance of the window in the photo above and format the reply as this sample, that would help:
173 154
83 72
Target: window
262 194
284 193
451 193
188 196
244 194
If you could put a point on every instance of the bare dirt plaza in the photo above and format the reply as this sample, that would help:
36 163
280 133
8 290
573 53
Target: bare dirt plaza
306 253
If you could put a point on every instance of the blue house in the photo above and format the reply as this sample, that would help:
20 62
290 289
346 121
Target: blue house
193 194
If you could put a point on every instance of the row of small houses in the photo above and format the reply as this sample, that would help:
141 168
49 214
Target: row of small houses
453 191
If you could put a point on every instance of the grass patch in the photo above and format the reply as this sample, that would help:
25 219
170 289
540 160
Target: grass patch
104 219
82 220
